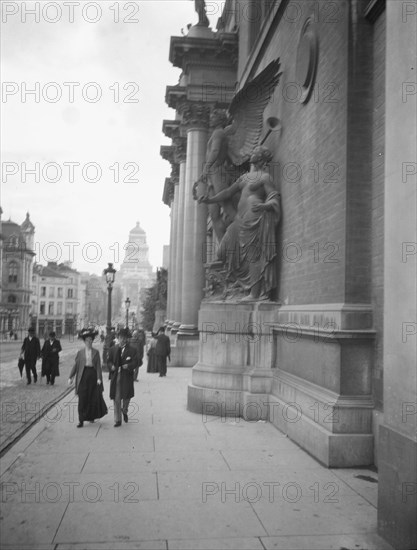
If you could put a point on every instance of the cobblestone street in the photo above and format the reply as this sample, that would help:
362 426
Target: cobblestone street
21 405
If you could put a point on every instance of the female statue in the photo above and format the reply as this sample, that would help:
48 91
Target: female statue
249 247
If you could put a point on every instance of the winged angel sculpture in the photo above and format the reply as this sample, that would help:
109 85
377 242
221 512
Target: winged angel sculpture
244 203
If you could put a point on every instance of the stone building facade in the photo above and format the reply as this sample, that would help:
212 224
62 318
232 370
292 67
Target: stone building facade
56 299
336 347
16 273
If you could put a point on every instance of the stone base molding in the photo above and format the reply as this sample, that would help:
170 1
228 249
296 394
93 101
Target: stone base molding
261 361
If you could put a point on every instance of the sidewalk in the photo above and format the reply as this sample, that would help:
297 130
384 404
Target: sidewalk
171 479
22 405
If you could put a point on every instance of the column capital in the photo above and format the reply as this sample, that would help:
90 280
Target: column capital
195 115
180 149
167 152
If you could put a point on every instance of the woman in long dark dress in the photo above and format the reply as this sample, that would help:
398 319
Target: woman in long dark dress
152 364
88 380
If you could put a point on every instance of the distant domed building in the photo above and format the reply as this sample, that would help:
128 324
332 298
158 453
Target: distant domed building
135 272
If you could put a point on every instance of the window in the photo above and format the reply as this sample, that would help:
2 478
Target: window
13 271
12 299
59 308
50 308
70 293
43 290
60 292
51 292
69 308
42 308
13 241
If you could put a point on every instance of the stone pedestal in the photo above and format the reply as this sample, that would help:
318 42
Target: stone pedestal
312 383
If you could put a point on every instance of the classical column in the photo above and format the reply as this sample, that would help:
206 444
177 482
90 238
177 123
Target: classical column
167 152
180 144
173 199
195 119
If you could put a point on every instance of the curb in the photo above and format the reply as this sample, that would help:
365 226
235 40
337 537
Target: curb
20 432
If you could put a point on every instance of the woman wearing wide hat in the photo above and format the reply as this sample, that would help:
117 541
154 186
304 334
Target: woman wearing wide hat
88 380
152 363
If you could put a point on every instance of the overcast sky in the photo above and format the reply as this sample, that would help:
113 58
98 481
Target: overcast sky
96 119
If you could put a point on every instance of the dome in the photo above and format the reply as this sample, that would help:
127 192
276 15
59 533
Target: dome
137 229
200 31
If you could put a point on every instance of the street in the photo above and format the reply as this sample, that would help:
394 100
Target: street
23 405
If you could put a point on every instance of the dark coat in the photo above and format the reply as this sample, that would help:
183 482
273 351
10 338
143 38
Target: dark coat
31 350
139 351
50 357
163 346
116 359
78 368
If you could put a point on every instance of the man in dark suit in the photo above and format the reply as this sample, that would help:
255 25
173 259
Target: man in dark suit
122 361
31 352
162 351
50 358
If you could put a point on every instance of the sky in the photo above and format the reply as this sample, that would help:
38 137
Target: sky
81 153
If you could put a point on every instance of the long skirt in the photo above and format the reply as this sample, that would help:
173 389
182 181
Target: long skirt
152 363
91 404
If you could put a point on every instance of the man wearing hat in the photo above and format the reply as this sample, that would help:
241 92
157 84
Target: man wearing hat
162 351
31 352
122 361
50 358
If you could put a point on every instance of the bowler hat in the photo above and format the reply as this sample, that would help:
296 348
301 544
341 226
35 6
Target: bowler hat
124 333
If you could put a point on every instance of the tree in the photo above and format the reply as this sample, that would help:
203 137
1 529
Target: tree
155 299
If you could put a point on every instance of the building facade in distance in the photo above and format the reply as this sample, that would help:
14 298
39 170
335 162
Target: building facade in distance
56 299
135 274
16 274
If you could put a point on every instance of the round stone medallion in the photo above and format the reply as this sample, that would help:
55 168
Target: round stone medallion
307 58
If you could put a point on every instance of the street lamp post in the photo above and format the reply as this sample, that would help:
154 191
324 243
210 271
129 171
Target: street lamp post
127 304
110 274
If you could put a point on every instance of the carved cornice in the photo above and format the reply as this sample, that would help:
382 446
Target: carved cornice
171 128
173 94
222 47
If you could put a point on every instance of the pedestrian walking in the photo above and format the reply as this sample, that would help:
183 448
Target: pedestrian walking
50 358
31 352
122 362
162 351
152 365
88 380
